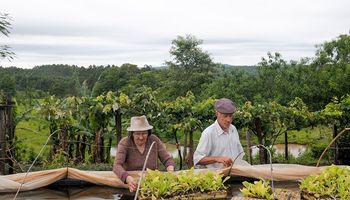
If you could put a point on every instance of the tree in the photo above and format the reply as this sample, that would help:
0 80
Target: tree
7 84
191 67
5 25
115 79
269 71
336 113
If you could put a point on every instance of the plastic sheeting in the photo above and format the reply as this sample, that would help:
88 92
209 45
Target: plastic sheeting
34 180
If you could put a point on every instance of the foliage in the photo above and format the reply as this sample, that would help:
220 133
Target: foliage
7 84
191 66
336 113
259 189
144 102
333 182
116 79
5 25
157 185
277 97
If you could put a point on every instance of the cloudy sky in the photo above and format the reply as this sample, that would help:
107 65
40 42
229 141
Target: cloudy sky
102 32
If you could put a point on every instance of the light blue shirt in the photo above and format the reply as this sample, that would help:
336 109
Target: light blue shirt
215 142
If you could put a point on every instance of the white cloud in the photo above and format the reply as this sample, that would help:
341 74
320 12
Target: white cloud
86 32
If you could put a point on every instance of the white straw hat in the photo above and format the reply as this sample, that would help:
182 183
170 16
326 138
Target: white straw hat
139 123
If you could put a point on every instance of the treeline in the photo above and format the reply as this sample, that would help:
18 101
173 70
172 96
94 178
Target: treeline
315 80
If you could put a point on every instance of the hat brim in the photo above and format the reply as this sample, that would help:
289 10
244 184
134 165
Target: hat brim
139 128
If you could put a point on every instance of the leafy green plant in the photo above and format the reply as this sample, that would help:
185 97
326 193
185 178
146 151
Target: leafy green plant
160 185
259 189
333 182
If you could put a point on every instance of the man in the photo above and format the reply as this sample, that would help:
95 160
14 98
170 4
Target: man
219 145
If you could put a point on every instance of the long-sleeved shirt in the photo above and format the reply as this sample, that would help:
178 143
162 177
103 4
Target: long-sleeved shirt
215 142
129 158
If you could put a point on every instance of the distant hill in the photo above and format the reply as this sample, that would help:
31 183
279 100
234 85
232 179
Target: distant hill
251 69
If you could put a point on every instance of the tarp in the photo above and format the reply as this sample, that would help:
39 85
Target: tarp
39 179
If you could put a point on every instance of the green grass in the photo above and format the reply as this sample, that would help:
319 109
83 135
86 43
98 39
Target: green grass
308 136
32 134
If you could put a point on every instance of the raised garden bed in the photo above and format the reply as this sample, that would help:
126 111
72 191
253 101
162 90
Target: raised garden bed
184 185
331 183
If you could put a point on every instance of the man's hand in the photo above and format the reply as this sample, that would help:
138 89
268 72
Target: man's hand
226 161
132 183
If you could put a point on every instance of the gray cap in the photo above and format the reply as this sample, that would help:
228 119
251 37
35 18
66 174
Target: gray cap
225 106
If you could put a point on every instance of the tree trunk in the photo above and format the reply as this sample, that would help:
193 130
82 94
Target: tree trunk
97 147
70 146
190 156
185 146
108 150
260 134
335 151
249 147
54 141
78 157
286 145
102 148
82 148
63 139
118 125
178 147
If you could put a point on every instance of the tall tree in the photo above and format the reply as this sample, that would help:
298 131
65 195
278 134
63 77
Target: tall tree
190 68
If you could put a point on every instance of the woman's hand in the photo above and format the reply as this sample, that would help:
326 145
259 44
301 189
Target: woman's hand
132 183
170 168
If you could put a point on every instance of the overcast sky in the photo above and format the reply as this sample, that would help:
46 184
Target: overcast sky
102 32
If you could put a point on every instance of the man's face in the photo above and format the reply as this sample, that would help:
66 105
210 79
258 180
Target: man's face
224 120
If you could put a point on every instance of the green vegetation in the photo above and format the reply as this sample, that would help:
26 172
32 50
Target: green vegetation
259 189
86 110
159 185
332 183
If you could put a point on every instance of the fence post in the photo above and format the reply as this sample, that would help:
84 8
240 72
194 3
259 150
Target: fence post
2 140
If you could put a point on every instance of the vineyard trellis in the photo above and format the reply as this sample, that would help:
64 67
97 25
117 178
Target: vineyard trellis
86 126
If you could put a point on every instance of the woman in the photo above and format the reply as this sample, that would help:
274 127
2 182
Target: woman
132 151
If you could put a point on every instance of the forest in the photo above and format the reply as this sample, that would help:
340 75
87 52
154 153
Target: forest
85 110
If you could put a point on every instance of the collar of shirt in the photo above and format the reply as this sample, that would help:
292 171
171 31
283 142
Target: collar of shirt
219 131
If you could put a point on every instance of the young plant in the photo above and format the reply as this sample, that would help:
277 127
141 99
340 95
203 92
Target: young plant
332 183
259 189
162 185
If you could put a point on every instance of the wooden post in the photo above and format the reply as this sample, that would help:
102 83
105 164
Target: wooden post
2 140
286 145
